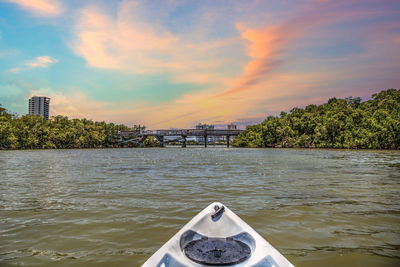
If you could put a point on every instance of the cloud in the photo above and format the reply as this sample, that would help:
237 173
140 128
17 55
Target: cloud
15 70
76 104
265 88
39 7
41 62
275 76
129 44
269 47
10 97
38 62
72 103
266 47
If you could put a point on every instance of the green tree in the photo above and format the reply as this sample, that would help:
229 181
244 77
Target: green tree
339 123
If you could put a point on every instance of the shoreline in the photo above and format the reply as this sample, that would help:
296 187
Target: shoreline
201 146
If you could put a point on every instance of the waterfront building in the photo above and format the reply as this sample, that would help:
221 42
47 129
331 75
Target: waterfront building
204 126
39 105
232 126
200 139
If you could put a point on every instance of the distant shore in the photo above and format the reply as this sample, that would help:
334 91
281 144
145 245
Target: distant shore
338 124
210 146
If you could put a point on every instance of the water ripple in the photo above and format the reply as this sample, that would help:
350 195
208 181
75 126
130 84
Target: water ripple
117 206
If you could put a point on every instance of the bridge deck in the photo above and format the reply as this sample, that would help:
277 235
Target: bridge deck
182 132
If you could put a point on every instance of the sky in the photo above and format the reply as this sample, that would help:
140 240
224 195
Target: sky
175 63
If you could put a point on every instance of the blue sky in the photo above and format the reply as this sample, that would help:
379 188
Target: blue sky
176 63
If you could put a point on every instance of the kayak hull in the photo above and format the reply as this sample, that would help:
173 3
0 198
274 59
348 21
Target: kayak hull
217 222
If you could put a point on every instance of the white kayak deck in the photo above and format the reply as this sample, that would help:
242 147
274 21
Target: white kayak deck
226 224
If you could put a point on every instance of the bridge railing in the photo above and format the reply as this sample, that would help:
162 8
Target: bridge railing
183 132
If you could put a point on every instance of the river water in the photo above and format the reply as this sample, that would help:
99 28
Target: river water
116 207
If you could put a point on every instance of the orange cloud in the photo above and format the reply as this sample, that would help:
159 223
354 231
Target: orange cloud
268 47
39 7
126 44
183 112
265 47
135 47
263 99
74 104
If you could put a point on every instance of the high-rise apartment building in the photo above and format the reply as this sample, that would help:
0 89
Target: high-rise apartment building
39 105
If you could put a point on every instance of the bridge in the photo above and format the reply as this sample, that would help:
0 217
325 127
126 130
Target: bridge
182 134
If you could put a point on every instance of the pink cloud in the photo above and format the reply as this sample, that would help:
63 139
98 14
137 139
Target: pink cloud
73 104
39 7
269 47
265 47
38 62
41 62
124 43
263 88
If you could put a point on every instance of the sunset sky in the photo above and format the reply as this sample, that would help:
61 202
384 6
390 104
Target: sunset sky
172 63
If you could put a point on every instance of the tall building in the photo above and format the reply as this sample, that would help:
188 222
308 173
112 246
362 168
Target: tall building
39 105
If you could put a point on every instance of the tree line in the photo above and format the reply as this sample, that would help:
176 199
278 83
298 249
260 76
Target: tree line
34 131
339 123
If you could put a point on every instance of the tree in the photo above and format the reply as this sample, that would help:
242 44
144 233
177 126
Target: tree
339 123
34 131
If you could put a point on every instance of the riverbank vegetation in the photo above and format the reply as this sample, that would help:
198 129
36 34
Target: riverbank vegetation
34 131
339 123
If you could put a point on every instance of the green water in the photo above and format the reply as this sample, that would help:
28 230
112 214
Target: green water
116 207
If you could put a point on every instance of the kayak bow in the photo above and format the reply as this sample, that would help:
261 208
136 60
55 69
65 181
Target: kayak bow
214 237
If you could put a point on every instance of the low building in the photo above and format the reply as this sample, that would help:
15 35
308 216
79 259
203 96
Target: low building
232 126
200 139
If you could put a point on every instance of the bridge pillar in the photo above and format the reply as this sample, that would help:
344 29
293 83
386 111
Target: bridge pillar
161 139
184 141
227 140
205 141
